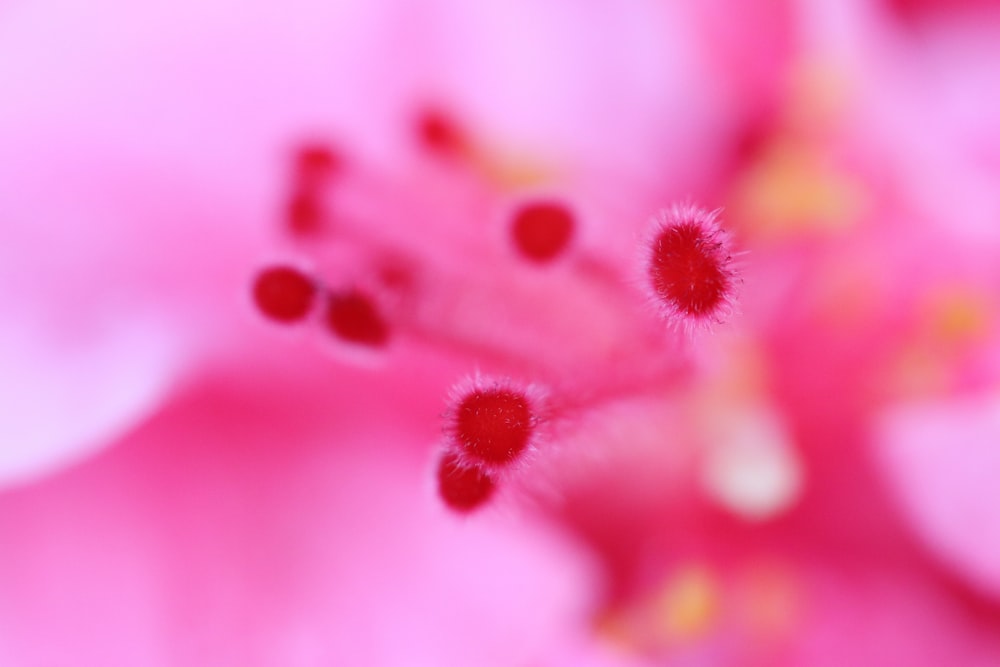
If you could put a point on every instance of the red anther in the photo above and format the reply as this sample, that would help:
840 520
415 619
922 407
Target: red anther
542 230
463 488
396 274
352 317
284 294
439 134
315 163
494 425
305 213
690 265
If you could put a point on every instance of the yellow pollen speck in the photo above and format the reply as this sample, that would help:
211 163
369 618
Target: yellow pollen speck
509 173
958 317
951 322
790 189
688 605
519 176
795 186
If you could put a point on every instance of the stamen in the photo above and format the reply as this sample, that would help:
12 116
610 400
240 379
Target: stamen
542 230
305 213
439 134
463 488
690 265
352 317
284 294
315 163
493 425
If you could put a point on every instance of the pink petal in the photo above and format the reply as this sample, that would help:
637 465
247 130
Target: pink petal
943 461
255 523
64 399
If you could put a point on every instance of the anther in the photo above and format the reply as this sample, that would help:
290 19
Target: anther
542 230
352 317
314 164
284 294
690 264
493 425
463 488
439 134
305 213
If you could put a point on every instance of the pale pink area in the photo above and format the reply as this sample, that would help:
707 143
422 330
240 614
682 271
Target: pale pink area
922 106
590 652
249 523
942 460
97 385
115 283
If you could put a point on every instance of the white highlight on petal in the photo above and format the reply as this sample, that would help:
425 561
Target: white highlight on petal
66 395
751 467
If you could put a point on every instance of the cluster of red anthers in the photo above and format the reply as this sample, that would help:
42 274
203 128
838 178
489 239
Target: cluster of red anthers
492 422
314 170
287 294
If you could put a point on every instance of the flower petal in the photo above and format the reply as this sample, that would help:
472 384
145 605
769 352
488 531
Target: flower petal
943 460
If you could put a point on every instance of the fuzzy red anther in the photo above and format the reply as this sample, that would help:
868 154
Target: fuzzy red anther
690 265
493 425
542 230
354 318
284 294
463 488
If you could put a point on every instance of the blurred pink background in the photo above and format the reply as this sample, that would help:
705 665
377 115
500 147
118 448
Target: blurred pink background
810 480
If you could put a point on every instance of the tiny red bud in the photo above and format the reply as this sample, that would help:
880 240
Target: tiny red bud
439 134
305 213
315 163
352 317
542 230
462 487
284 294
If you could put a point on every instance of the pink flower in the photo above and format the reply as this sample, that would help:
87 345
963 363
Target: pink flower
401 346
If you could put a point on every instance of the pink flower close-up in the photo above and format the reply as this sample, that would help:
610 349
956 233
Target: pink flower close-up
533 333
